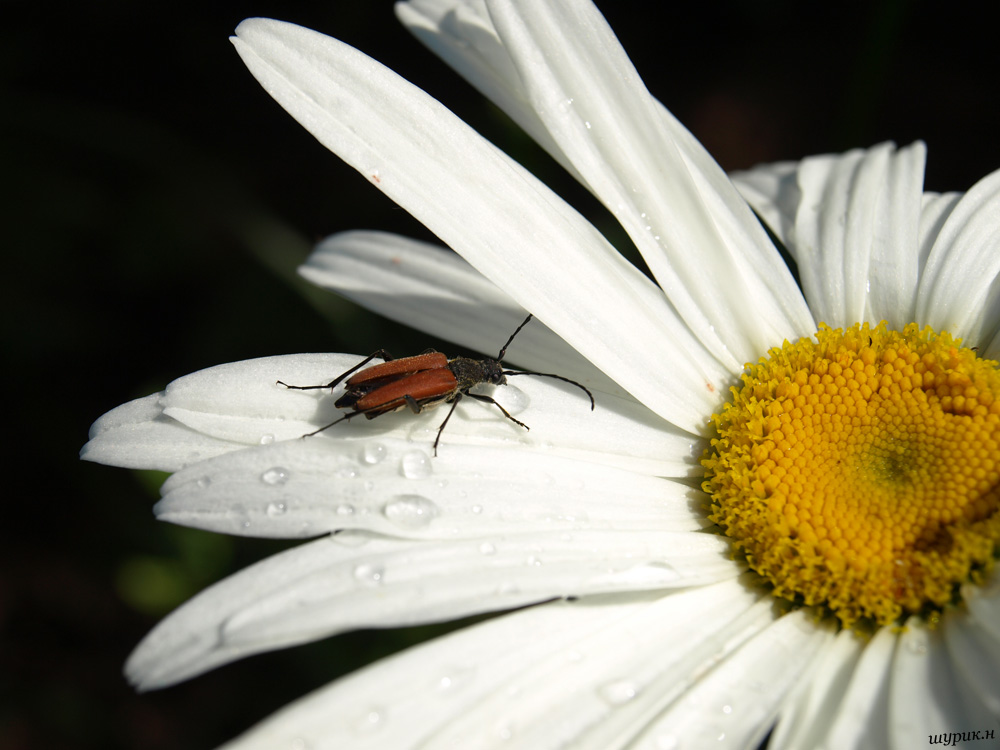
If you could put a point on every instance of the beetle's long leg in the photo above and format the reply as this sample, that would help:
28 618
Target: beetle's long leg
414 405
336 421
489 400
380 354
454 403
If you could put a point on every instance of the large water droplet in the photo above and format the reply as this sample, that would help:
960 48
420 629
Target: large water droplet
416 465
373 453
514 399
651 573
266 439
275 475
410 511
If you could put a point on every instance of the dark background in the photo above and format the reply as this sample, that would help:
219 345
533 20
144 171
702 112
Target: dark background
155 203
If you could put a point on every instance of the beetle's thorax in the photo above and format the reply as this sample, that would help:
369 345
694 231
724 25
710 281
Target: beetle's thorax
470 372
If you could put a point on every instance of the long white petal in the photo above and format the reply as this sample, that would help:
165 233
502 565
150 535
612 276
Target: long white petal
813 704
137 435
304 488
856 232
735 704
506 223
960 288
565 668
861 718
925 697
696 233
355 579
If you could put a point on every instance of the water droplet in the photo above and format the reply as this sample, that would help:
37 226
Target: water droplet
727 709
347 472
416 465
275 475
477 509
203 482
345 510
373 453
266 439
276 509
534 561
514 399
410 511
369 574
619 692
651 573
455 678
487 548
370 720
915 645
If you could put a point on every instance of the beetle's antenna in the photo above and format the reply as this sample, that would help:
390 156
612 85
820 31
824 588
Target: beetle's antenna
557 377
504 350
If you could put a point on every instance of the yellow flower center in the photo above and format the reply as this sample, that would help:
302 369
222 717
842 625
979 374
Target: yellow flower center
861 470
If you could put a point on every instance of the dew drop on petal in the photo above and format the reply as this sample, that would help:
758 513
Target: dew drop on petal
487 548
477 509
203 482
276 509
275 475
345 510
370 720
410 511
416 465
373 453
515 400
618 692
266 439
369 574
651 572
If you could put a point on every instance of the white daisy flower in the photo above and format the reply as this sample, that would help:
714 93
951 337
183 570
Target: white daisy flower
804 544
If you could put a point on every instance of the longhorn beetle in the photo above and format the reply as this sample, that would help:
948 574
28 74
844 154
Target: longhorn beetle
423 381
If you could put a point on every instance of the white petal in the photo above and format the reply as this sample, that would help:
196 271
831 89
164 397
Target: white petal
601 691
773 191
925 699
462 34
975 655
355 580
506 223
960 287
701 241
304 488
137 435
856 230
861 717
561 667
814 703
935 210
434 290
735 704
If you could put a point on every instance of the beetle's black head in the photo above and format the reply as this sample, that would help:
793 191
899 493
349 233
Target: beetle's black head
471 372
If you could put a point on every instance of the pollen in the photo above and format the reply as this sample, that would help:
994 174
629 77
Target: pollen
859 471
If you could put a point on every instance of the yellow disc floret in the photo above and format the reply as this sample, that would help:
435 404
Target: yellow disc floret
860 471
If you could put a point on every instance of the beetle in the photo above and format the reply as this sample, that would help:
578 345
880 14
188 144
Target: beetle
422 382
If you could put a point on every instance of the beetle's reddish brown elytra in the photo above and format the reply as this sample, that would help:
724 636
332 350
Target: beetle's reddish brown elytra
421 382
